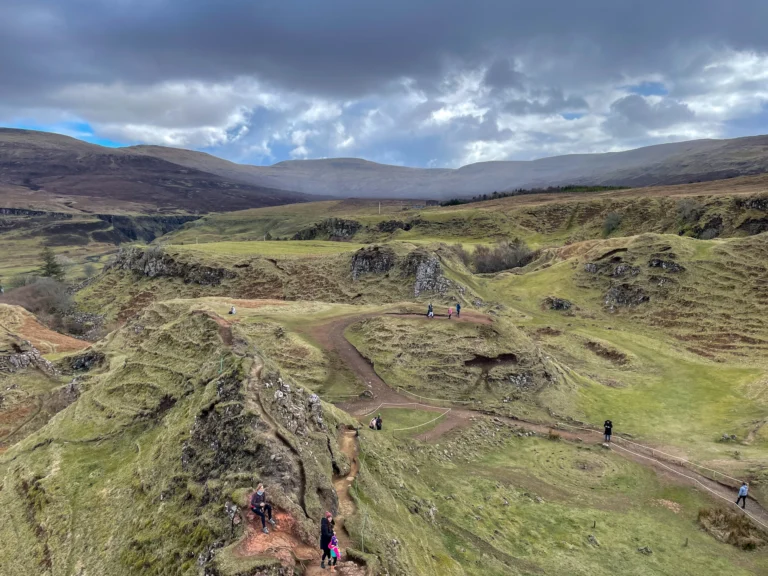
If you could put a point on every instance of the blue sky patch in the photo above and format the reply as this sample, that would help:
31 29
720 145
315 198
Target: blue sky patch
648 89
572 115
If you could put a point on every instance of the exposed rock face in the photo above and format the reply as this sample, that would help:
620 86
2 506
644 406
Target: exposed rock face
154 262
295 409
372 260
332 229
146 228
754 226
86 361
393 225
24 356
428 272
25 212
667 265
554 303
591 267
624 296
625 270
712 229
756 203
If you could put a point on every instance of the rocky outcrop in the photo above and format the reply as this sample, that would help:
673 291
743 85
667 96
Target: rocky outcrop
154 262
428 272
667 265
25 212
330 229
372 260
86 361
390 226
554 303
624 296
294 408
754 226
624 269
24 356
759 203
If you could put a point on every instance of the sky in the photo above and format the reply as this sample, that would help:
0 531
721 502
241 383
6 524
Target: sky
416 83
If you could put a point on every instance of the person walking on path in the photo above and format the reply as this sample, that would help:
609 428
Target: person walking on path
430 312
326 533
458 310
608 430
260 507
450 313
335 552
743 491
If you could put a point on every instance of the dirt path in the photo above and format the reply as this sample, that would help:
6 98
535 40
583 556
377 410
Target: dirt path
331 337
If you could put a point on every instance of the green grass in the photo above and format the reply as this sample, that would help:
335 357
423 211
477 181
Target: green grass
395 420
271 248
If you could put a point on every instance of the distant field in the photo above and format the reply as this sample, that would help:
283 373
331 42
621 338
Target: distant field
272 248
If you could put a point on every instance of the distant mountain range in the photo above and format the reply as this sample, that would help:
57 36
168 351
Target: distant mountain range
171 178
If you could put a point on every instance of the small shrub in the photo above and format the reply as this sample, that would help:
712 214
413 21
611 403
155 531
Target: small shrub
21 280
611 223
89 270
42 296
503 256
462 254
709 234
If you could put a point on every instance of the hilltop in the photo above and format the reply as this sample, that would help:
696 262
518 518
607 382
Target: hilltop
50 171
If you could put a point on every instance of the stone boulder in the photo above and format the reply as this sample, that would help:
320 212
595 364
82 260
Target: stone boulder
554 303
667 265
624 296
372 260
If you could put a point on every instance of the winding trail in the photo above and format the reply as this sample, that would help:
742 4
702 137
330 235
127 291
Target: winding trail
331 337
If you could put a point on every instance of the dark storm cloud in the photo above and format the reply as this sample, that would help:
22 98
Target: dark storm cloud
546 102
344 47
634 115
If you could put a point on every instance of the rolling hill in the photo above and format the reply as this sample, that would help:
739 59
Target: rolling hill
665 164
38 169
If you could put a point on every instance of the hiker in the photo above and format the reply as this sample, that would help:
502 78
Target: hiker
458 309
260 507
450 313
608 430
326 533
742 495
372 423
378 422
333 546
232 310
430 312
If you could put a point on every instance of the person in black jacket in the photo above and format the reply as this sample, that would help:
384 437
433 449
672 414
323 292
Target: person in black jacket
326 533
260 507
608 430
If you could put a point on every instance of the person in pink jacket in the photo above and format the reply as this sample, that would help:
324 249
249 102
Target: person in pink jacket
450 313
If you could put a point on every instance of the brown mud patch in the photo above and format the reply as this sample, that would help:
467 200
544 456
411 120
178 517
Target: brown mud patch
618 358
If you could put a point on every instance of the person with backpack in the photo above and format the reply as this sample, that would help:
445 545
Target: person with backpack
378 422
260 507
333 546
326 533
608 426
743 491
458 310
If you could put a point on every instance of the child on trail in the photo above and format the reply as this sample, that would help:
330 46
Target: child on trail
378 422
458 310
608 430
450 313
430 312
335 552
743 491
326 534
260 507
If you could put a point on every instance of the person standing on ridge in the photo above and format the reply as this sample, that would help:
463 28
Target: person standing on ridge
608 430
260 507
326 533
458 309
743 491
